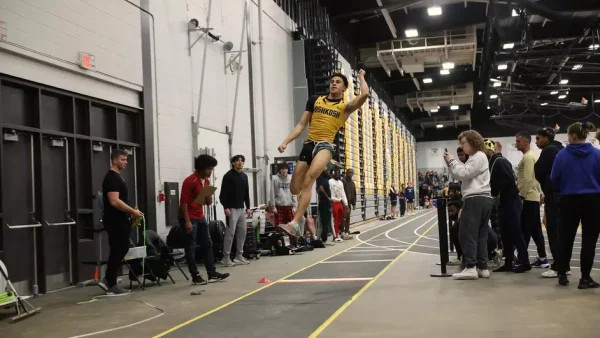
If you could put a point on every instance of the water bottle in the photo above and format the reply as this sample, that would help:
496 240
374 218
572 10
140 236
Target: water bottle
35 291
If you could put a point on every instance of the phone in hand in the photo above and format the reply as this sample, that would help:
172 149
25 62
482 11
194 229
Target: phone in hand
446 150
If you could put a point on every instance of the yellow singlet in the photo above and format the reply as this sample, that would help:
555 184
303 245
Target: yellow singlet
327 119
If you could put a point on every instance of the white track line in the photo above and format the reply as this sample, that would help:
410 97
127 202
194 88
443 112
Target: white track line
326 280
397 227
359 261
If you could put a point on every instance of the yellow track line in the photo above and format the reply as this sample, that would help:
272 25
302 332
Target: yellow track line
286 277
339 311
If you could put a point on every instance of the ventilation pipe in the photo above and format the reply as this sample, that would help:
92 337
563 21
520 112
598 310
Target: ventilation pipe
553 15
264 104
230 132
251 96
200 91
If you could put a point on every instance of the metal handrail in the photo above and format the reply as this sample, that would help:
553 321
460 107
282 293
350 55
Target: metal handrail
70 222
24 226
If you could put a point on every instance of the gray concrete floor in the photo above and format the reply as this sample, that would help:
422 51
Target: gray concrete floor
403 301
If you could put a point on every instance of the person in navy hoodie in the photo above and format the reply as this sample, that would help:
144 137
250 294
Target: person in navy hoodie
409 192
576 171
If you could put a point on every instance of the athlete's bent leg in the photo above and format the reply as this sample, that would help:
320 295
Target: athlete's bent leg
298 178
318 164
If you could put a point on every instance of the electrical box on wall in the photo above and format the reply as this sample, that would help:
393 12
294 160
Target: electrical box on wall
171 203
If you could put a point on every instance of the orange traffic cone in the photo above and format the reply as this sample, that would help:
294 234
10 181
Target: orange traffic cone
96 274
264 281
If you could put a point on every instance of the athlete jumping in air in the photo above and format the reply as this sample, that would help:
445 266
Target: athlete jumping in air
324 115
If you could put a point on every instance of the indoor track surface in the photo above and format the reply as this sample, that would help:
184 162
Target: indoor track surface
303 302
317 300
376 285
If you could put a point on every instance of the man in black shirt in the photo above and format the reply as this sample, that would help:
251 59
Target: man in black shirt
544 139
116 219
324 193
506 195
235 193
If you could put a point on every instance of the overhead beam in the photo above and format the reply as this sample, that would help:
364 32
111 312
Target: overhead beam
384 65
388 19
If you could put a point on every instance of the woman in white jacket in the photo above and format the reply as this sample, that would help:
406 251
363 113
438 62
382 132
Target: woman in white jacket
476 194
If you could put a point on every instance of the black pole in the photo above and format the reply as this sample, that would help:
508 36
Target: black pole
443 236
450 239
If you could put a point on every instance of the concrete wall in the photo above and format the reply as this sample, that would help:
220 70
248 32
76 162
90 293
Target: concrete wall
179 77
44 39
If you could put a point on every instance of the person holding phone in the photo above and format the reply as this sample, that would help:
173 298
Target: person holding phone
477 199
191 216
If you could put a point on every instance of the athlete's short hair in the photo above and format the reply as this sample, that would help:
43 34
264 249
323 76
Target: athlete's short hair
341 76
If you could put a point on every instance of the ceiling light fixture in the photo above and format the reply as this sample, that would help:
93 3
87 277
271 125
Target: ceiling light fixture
494 80
577 67
554 92
434 110
497 84
480 93
594 47
427 80
434 10
544 104
454 107
514 13
411 33
562 97
493 97
448 65
444 72
597 101
502 67
439 126
564 81
510 45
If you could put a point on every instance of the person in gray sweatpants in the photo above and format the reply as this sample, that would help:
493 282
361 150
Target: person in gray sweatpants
475 215
235 193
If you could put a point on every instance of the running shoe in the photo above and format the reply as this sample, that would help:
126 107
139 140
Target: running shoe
541 263
217 277
197 279
240 260
292 229
467 274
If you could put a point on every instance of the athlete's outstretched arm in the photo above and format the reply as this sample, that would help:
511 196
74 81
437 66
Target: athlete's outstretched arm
358 101
297 130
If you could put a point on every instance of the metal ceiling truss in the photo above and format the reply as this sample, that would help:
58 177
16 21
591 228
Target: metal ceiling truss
435 99
413 55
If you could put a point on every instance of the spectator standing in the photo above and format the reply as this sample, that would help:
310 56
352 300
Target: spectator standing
544 139
235 194
191 217
410 198
505 191
394 200
402 199
530 192
350 190
339 204
324 193
475 215
116 219
576 172
285 202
